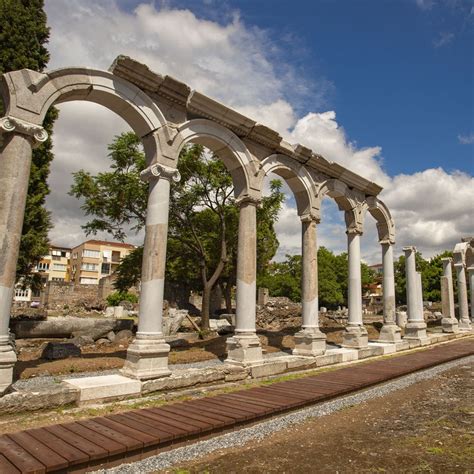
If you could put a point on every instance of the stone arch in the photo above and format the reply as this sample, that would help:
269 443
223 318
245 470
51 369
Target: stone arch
28 95
384 221
225 144
347 200
296 176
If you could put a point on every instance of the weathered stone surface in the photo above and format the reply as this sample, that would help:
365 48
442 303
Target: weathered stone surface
60 350
111 336
123 335
172 320
104 387
82 341
328 359
68 326
270 367
19 401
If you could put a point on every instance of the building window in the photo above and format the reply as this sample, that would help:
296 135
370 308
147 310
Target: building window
91 253
89 267
88 281
22 293
42 266
105 269
60 267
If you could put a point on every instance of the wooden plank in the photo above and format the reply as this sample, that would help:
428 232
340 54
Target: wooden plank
139 423
129 443
252 410
202 414
177 427
218 402
6 467
174 415
218 409
20 458
113 447
144 438
94 451
46 456
71 453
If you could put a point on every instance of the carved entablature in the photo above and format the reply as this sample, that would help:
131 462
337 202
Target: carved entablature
13 124
355 220
157 171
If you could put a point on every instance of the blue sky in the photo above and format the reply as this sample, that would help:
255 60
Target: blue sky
383 87
399 72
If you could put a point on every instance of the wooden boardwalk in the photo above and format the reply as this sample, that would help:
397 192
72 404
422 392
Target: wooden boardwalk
136 434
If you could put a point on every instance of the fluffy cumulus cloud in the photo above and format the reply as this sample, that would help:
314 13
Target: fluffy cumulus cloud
241 66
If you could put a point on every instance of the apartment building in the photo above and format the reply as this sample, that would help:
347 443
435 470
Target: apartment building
52 267
95 259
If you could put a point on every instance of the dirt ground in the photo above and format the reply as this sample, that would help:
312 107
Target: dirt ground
427 427
111 356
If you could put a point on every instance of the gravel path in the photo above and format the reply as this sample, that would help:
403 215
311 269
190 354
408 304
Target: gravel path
262 430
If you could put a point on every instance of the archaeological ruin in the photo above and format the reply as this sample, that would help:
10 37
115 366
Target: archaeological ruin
167 115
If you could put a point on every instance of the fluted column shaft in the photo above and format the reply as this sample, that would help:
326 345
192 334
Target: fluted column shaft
310 341
449 321
355 280
464 322
15 163
244 347
390 332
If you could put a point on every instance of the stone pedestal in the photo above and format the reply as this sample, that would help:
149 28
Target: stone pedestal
355 337
390 333
415 328
7 363
309 343
147 358
244 349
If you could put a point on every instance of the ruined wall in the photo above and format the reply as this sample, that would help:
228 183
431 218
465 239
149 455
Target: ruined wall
57 294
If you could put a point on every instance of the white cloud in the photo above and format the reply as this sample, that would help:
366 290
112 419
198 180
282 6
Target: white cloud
240 66
443 39
425 4
466 139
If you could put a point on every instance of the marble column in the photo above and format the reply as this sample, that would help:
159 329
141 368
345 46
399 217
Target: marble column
310 341
449 321
470 271
355 334
464 321
147 356
16 143
390 332
244 347
415 328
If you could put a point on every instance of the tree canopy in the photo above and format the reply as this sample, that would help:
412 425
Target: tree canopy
203 216
284 278
23 36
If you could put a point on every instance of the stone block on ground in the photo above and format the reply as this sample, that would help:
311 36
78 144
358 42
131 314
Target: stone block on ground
104 387
60 350
81 341
271 367
123 335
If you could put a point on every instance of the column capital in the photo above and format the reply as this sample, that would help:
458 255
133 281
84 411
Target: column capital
310 217
10 124
387 242
158 171
248 199
470 269
354 231
458 265
446 259
409 248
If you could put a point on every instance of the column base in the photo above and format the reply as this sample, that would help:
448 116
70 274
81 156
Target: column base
450 325
464 325
390 333
415 330
244 349
147 359
355 337
309 343
7 363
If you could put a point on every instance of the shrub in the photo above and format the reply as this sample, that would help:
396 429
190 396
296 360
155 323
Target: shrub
115 298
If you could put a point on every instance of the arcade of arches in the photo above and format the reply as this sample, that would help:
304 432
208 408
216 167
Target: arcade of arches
167 115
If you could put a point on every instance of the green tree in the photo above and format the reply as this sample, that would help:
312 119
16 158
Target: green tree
203 216
23 36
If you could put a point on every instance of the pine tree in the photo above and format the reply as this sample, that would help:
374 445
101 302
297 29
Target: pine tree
23 35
